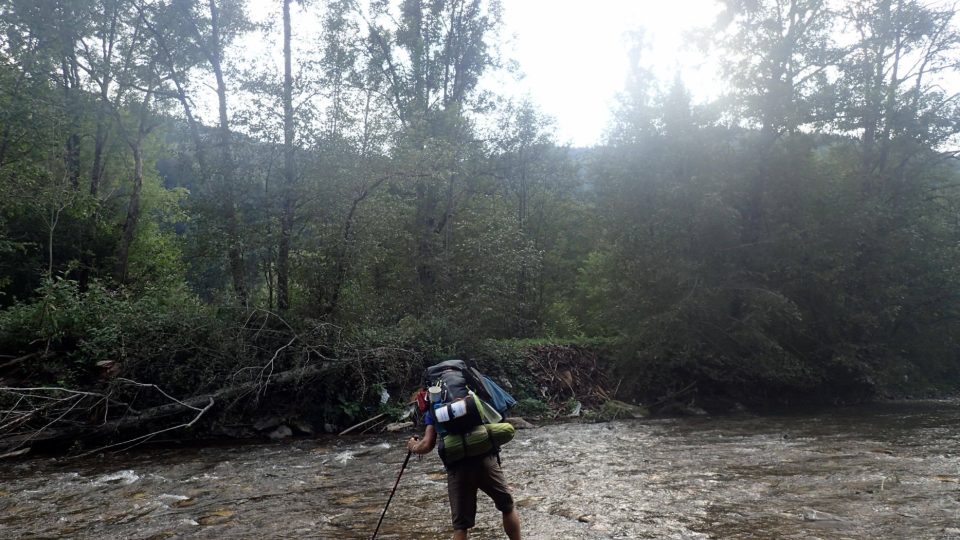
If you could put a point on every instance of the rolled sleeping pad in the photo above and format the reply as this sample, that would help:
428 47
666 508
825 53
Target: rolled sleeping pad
459 416
479 441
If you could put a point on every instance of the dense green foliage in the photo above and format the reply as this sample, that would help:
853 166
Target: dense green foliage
797 238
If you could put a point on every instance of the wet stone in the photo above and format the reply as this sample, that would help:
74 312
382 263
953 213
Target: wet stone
529 501
519 423
809 514
398 426
348 500
264 424
281 432
301 426
216 518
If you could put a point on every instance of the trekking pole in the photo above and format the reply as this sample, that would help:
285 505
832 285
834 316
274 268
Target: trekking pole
402 467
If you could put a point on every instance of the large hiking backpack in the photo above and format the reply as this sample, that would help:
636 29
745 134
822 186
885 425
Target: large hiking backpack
469 412
456 380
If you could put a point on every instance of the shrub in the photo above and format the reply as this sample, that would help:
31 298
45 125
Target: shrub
162 337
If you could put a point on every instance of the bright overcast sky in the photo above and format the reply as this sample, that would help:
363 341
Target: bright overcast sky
574 54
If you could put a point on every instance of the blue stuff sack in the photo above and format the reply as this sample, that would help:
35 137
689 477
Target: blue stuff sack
499 398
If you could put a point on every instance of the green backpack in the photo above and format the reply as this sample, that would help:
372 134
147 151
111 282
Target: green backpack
482 440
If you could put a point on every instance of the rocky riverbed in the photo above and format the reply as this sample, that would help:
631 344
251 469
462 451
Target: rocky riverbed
881 471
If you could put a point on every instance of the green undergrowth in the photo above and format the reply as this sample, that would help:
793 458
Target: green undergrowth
87 338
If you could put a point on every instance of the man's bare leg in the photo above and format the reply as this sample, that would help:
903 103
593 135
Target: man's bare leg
511 524
460 534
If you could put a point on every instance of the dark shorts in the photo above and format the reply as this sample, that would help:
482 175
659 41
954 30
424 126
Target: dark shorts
463 481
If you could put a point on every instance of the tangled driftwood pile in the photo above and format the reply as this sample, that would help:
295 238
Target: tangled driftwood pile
570 372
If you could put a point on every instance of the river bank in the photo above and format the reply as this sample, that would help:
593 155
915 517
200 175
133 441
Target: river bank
588 380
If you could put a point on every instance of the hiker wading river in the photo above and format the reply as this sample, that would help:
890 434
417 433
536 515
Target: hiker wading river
463 481
470 435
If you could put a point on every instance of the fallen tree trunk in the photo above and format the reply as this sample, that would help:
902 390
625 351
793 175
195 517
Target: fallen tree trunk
19 360
133 420
365 422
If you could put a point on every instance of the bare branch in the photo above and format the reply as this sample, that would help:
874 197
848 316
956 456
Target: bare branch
144 438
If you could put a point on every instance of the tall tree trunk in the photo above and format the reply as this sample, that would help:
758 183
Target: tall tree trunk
289 172
346 247
874 98
133 214
5 117
133 209
89 227
234 252
521 313
177 80
4 143
99 144
68 66
100 138
426 252
892 89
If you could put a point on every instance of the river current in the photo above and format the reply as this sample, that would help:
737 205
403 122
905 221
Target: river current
880 471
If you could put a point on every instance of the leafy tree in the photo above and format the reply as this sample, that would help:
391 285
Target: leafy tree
431 61
777 59
210 32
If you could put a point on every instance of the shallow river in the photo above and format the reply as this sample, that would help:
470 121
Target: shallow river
884 471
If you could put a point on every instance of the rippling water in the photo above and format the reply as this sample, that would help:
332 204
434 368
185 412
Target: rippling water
887 471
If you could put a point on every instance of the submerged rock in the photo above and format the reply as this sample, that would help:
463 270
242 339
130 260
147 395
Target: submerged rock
301 426
682 409
809 514
282 432
693 410
269 422
615 409
217 517
124 478
519 423
234 432
398 426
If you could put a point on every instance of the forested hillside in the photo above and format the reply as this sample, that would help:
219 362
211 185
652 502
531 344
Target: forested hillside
173 214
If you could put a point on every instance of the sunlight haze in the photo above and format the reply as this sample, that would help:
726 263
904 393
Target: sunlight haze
574 54
571 54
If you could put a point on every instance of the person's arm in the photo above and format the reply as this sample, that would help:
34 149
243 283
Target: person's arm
424 445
